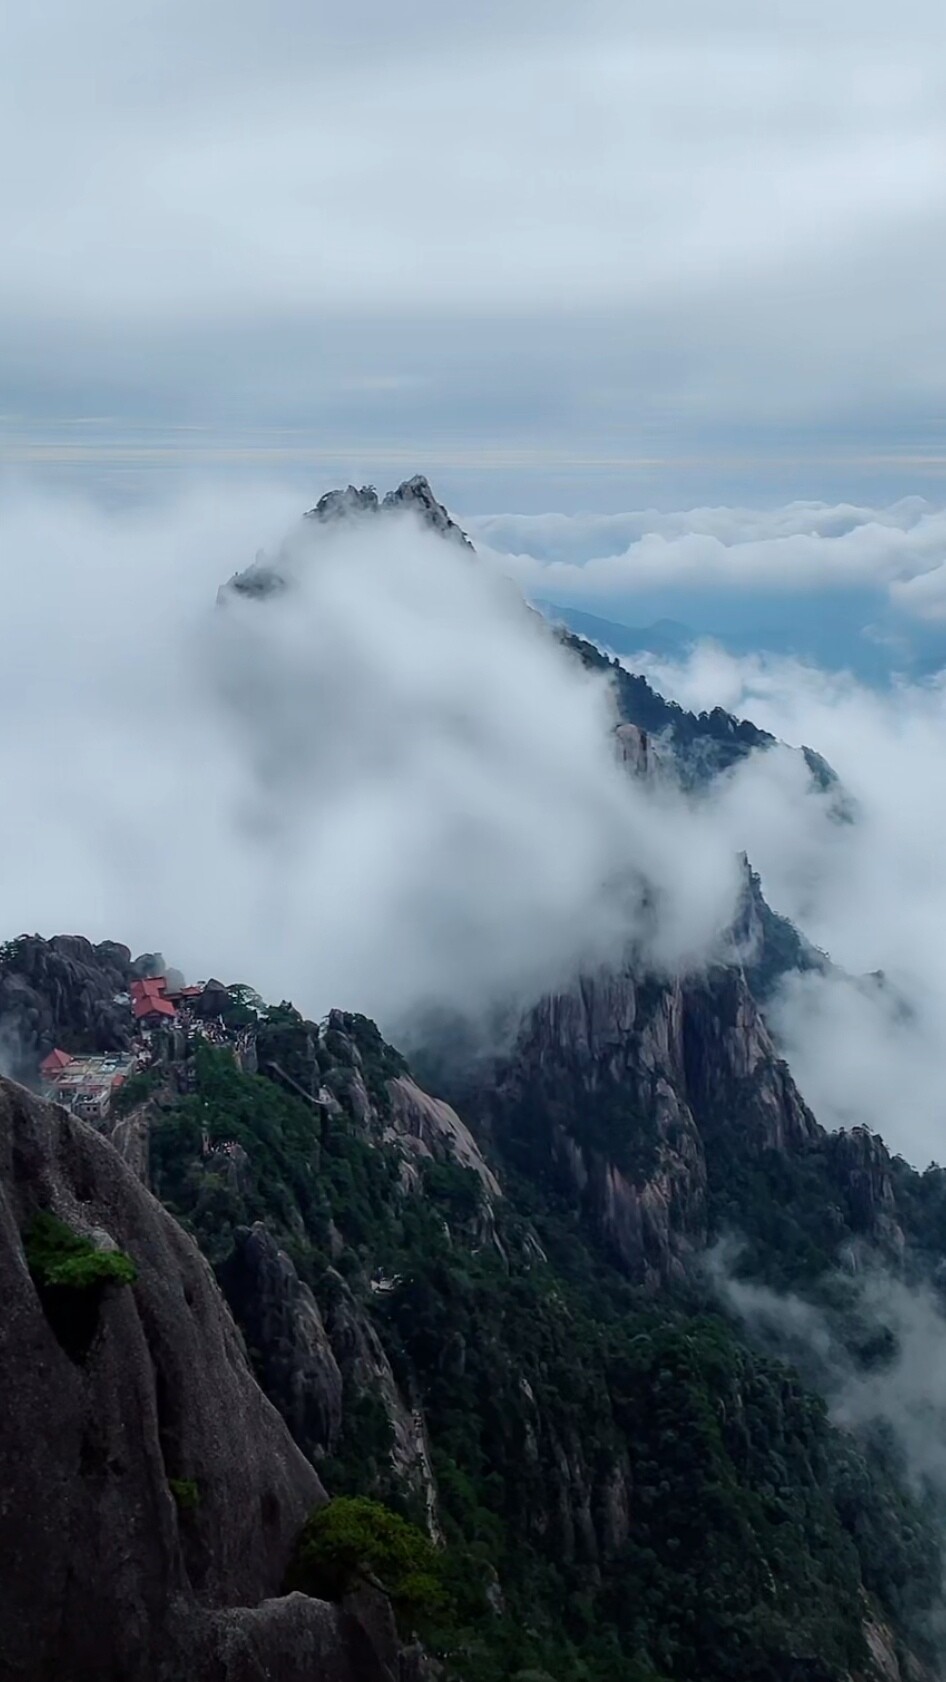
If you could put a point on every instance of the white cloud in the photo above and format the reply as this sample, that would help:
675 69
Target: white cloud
803 548
387 787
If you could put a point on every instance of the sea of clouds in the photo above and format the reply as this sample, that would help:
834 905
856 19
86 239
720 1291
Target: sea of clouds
854 587
387 787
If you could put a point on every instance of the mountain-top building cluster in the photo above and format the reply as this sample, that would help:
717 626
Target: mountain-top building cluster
87 1084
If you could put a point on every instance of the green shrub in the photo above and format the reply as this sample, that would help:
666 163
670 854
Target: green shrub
135 1090
186 1494
353 1540
59 1259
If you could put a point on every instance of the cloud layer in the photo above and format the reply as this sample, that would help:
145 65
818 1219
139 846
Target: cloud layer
624 230
387 788
382 788
801 549
844 584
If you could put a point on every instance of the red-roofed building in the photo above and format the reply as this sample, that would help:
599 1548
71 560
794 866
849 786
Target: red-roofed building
54 1063
149 1006
152 1011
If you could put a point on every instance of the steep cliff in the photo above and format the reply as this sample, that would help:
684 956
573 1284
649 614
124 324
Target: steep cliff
623 1089
151 1495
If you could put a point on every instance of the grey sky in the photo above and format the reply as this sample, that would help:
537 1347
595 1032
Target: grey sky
497 239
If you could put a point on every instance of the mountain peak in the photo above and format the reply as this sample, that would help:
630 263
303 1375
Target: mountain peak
349 503
414 494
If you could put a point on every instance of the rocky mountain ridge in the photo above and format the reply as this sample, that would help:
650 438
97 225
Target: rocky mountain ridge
700 746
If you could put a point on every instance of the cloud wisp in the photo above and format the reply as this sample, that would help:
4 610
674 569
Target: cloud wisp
902 1387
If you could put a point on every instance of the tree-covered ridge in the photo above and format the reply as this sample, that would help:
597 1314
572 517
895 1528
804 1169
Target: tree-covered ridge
624 1488
705 743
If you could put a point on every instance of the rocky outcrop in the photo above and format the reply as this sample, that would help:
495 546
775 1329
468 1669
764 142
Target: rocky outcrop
768 946
862 1171
734 1079
411 496
622 1087
213 1000
635 750
61 992
596 1090
287 1339
108 1574
429 1127
636 1098
131 1136
367 1372
581 1510
356 1642
270 575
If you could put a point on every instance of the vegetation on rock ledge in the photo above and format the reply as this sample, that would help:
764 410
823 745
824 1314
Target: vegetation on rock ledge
352 1541
60 1259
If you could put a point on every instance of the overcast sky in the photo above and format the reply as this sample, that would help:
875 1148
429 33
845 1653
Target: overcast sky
525 244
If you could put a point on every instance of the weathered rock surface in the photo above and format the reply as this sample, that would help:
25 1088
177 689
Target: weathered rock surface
356 1642
427 1126
367 1371
131 1136
625 1091
61 992
636 750
284 1330
596 1087
105 1577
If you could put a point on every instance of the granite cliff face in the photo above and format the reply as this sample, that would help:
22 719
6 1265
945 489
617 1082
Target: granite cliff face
636 1099
61 992
412 496
284 1329
108 1574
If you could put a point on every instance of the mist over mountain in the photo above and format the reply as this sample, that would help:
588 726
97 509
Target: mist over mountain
472 977
586 1344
